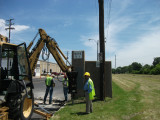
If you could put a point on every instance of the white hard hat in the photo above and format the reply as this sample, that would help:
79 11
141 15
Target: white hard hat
49 74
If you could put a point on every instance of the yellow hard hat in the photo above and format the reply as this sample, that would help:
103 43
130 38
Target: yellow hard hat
87 74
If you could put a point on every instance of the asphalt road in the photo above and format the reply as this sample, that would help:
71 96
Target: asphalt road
39 91
40 87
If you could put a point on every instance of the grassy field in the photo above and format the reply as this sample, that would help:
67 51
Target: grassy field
135 97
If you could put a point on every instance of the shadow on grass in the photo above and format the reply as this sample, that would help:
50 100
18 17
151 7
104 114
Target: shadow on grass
84 102
76 103
79 113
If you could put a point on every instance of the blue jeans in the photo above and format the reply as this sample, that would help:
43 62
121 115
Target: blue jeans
49 89
65 90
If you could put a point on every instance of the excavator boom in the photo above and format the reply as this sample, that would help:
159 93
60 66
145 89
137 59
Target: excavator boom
53 49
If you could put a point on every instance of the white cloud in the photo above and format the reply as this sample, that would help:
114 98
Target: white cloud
116 27
154 19
132 37
120 6
125 4
2 27
91 46
112 43
141 47
18 28
142 51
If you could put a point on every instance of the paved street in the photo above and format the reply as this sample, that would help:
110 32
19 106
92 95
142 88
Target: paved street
39 91
39 88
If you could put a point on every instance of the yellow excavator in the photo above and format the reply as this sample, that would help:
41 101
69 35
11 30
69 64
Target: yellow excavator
53 48
17 64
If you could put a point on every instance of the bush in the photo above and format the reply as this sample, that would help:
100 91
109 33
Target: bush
155 70
146 71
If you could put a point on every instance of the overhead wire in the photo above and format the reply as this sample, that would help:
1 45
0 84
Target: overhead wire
109 6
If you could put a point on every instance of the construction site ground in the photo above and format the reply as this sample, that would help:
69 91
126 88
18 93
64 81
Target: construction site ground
39 91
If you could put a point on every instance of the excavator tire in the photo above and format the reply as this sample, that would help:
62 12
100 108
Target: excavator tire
26 108
20 107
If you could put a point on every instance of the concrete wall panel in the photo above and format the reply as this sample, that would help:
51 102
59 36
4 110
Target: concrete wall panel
90 66
78 62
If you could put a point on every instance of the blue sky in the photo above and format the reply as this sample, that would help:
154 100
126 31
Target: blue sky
133 30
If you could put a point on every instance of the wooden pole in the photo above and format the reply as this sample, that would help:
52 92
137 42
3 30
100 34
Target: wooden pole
102 50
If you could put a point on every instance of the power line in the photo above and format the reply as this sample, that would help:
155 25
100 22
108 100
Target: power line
109 3
10 28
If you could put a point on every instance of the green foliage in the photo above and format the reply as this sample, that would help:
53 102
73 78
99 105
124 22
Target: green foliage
137 68
156 61
113 70
155 70
145 69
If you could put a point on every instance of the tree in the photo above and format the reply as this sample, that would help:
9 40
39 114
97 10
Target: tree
156 61
118 70
113 70
124 69
155 70
145 69
136 66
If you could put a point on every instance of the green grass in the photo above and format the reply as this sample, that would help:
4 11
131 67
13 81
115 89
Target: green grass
132 104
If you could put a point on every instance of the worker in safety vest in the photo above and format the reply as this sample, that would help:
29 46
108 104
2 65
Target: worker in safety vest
65 87
49 81
89 92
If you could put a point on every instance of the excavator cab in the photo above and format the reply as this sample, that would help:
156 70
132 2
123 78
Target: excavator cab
16 81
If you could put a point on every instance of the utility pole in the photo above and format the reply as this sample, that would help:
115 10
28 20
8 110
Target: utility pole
67 56
102 50
10 28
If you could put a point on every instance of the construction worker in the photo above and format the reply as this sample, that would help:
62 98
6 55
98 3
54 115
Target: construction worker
49 81
65 87
89 92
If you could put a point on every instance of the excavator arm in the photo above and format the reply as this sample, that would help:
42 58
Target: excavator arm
53 49
56 53
34 55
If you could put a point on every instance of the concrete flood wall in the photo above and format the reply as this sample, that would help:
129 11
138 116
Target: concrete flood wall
82 66
78 62
90 66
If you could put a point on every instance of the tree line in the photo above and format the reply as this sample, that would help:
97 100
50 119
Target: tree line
138 68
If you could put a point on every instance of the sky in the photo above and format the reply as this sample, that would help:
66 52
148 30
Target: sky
132 27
